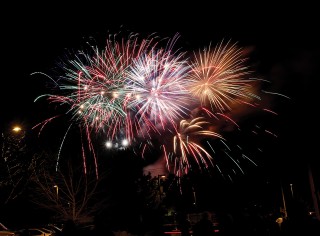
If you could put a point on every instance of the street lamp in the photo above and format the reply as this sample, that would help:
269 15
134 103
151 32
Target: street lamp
194 196
291 189
16 129
12 144
57 189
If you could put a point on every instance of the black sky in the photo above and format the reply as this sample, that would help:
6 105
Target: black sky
284 39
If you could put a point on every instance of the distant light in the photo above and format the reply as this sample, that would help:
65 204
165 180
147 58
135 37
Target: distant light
162 176
16 129
279 220
108 144
125 142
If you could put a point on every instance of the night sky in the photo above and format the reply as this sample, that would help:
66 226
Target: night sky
35 36
284 42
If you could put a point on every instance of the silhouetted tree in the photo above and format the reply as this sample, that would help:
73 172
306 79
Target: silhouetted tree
69 192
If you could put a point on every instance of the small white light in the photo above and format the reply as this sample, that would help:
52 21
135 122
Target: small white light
108 144
125 142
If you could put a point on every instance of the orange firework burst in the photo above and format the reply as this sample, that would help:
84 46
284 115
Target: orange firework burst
187 143
219 76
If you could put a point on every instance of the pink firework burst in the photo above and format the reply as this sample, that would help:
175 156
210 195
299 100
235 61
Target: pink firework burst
158 82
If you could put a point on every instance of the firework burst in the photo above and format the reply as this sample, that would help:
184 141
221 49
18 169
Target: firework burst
92 87
187 144
97 92
157 81
219 77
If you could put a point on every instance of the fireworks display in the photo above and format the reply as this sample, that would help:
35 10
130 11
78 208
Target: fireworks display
219 76
186 144
136 90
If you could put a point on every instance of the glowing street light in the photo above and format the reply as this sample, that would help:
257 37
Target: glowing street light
291 189
57 189
13 142
16 129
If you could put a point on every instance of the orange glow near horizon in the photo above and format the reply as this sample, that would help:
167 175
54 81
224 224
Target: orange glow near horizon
16 129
